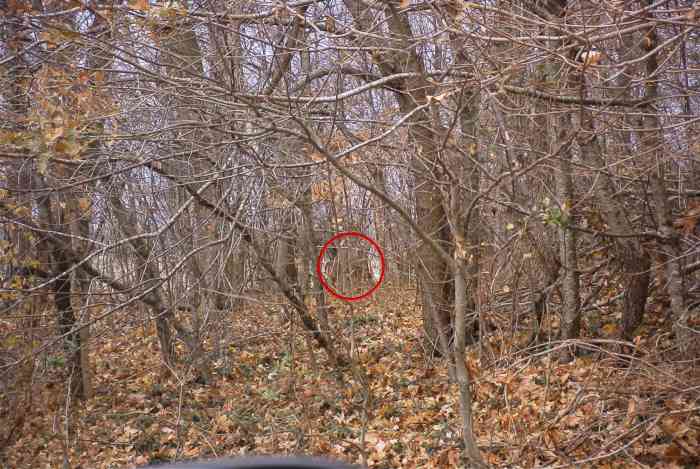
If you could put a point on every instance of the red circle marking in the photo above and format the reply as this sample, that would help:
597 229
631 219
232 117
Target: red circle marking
346 234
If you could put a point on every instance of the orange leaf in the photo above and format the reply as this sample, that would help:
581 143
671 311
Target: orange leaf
687 223
84 204
140 5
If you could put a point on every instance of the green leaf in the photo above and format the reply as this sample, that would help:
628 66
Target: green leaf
56 362
270 395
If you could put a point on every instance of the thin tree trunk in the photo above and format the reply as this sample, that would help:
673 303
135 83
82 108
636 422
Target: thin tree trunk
310 324
285 261
568 257
461 370
310 248
82 286
571 314
434 275
17 397
652 141
635 263
163 329
465 225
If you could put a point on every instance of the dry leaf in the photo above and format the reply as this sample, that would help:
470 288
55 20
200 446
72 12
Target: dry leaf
330 24
52 134
84 204
140 5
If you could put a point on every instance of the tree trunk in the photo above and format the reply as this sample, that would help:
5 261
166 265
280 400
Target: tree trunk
82 287
67 323
652 141
311 248
568 257
461 370
635 263
571 302
159 311
54 218
285 261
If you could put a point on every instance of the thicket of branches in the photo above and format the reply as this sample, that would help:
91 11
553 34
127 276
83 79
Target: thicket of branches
535 161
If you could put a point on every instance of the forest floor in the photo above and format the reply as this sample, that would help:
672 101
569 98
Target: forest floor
274 393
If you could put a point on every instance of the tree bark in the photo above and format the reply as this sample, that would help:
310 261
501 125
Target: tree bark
128 226
568 257
652 141
54 218
634 261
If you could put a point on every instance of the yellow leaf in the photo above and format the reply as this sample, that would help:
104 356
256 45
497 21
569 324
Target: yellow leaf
42 163
222 423
510 226
11 341
70 35
8 138
320 191
51 135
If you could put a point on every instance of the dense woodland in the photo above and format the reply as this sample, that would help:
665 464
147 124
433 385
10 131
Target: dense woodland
171 170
